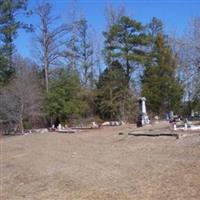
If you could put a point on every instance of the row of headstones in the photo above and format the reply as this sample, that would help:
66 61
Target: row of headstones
143 118
195 114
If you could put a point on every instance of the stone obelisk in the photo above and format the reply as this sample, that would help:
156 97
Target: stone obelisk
143 117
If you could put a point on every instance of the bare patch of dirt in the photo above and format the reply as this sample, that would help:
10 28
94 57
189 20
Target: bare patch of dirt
100 164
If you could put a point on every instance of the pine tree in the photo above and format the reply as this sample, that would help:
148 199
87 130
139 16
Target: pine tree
126 42
111 92
9 25
85 53
159 84
155 27
5 71
63 99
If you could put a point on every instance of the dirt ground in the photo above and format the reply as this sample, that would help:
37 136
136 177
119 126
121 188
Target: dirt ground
100 164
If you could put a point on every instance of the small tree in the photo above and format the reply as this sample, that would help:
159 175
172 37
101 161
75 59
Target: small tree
63 99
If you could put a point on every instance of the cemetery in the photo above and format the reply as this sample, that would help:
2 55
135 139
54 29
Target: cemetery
99 100
113 161
101 164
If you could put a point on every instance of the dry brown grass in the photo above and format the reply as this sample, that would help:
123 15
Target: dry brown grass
99 164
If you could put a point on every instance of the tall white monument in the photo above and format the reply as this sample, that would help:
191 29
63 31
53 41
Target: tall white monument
143 117
143 105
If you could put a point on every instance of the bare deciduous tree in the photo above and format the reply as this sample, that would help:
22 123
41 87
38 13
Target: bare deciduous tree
21 99
188 51
48 37
113 14
70 51
194 41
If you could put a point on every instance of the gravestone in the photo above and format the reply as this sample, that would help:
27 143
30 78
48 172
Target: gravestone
143 118
192 113
171 115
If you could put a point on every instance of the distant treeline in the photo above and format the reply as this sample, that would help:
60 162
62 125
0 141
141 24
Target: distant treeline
72 76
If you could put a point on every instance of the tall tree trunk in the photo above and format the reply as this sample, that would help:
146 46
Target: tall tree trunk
122 110
21 126
128 68
21 119
46 74
46 66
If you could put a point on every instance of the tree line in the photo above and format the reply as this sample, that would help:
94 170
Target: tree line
73 78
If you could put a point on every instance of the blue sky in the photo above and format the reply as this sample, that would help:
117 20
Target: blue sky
175 15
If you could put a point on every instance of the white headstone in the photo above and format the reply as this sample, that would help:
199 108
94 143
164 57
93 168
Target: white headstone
59 127
171 115
192 113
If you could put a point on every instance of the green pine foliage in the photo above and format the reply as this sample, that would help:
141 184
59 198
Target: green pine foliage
159 84
5 71
63 99
111 92
85 53
9 26
126 42
126 45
